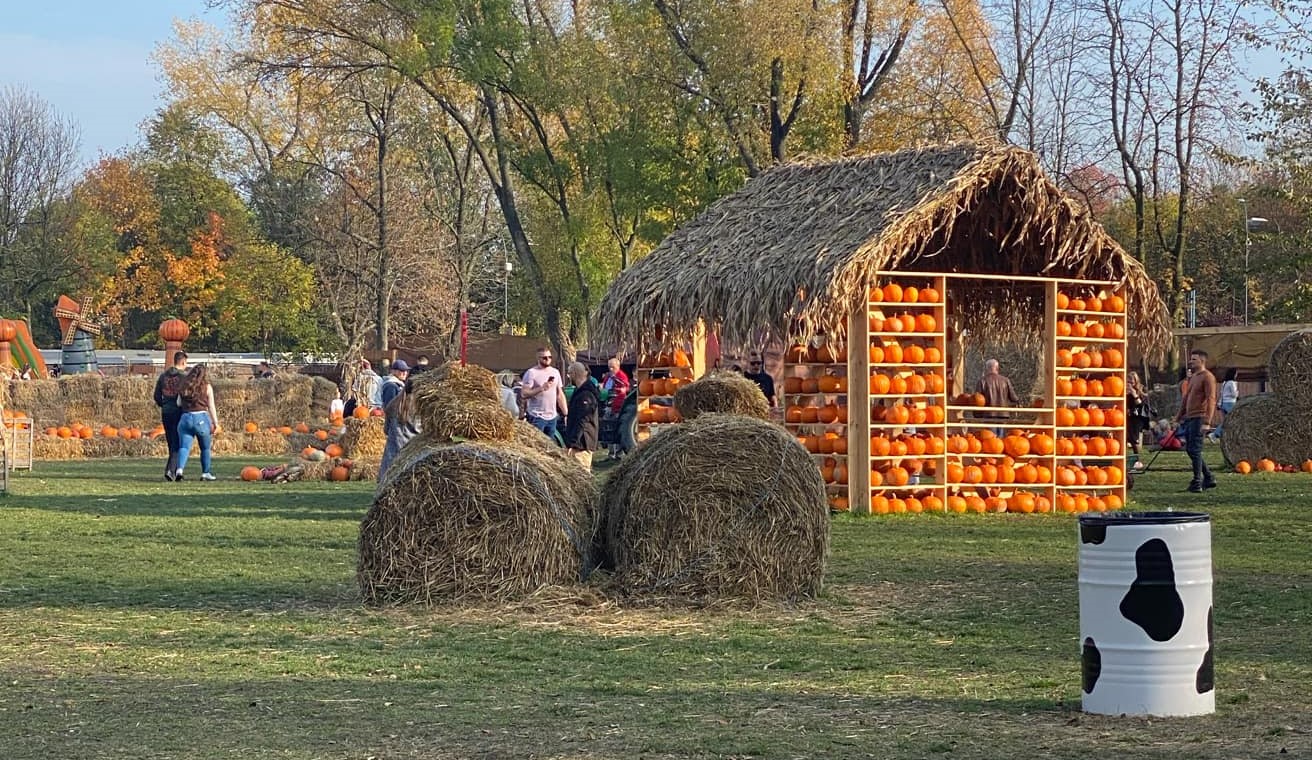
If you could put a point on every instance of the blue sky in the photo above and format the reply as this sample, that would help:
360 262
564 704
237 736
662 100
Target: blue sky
90 60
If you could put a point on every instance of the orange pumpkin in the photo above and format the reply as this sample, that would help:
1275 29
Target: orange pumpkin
301 427
892 293
339 473
333 450
250 472
321 435
251 427
360 412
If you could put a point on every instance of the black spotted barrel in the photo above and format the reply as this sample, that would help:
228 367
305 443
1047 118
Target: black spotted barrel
1146 613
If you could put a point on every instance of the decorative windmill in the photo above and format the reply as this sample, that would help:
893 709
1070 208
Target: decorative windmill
78 349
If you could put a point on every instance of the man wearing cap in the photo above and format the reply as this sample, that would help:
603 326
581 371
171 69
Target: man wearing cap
394 383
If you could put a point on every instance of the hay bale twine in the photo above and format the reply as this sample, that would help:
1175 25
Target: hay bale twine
474 520
1290 370
1259 428
722 506
722 392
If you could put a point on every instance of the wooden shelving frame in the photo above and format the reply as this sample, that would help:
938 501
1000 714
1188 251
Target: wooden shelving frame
866 417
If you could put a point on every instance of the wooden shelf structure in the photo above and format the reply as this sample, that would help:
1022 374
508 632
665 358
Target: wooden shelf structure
892 439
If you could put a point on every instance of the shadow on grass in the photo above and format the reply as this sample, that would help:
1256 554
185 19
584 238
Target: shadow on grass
420 714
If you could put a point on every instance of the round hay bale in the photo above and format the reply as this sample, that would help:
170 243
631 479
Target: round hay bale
473 520
1290 371
362 439
461 403
1259 428
724 393
724 507
524 434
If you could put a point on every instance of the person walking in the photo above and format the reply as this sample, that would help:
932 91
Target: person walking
199 421
544 394
1228 398
170 413
581 425
1141 414
400 423
1196 409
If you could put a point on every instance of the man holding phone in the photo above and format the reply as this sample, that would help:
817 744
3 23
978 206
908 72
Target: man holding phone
544 394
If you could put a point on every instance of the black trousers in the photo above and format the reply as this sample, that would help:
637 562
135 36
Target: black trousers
170 420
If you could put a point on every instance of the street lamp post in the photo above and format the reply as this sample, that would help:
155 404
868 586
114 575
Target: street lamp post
1247 243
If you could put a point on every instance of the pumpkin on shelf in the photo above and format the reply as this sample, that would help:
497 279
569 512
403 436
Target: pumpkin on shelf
796 354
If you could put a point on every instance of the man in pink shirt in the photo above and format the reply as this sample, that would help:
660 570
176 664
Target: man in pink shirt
544 394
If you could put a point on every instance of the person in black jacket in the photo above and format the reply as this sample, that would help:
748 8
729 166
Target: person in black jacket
581 425
167 388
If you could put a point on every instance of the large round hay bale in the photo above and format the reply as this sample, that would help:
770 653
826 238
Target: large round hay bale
1290 370
722 392
473 520
524 434
722 506
1259 427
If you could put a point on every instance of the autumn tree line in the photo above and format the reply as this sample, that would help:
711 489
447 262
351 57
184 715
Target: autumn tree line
328 175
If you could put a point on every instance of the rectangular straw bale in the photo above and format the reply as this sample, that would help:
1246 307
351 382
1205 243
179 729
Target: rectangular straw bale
264 442
47 448
128 387
41 399
84 387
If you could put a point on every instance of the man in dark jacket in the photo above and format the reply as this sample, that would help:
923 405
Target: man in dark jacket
581 424
166 398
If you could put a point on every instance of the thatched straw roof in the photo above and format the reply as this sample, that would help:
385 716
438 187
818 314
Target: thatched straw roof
792 252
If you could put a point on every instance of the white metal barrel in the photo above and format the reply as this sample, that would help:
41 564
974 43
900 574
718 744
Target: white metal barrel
1146 613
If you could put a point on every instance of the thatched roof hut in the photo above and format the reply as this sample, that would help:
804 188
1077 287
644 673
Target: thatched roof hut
794 251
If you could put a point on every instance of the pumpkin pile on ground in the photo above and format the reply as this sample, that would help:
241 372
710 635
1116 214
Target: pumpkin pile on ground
723 507
724 392
467 510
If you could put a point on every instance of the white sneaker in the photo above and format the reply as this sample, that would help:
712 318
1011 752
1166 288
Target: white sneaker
207 476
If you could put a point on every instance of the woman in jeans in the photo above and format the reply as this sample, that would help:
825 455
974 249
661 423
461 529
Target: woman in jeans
199 420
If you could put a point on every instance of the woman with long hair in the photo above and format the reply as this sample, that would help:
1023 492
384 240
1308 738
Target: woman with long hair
200 420
400 423
1140 414
1226 400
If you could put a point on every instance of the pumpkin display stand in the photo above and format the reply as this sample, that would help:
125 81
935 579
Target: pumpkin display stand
910 445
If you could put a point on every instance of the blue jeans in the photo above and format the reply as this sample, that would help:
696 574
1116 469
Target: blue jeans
194 426
1193 446
1226 408
548 427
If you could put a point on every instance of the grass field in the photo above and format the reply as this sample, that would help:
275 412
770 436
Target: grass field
145 619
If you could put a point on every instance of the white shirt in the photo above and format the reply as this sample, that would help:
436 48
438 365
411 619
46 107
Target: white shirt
1229 392
543 405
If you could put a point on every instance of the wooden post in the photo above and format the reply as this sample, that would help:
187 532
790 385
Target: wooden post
858 407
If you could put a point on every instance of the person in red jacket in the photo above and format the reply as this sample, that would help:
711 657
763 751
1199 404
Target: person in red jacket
614 388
